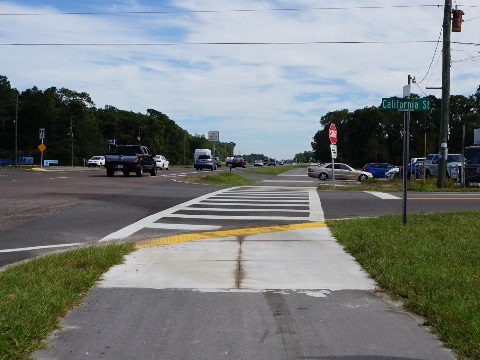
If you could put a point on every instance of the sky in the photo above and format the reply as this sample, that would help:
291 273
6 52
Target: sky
262 78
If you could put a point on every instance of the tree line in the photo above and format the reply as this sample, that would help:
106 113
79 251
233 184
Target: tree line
373 135
71 118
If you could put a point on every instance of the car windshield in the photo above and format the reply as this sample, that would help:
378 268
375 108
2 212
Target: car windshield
95 158
454 158
204 157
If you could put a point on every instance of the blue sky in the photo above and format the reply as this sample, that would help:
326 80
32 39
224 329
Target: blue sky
265 90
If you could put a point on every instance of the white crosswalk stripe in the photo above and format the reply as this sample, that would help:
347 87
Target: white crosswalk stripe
237 203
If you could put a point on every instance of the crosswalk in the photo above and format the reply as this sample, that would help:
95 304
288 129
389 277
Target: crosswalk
246 206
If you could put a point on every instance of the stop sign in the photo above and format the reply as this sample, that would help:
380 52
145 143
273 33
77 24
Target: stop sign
332 134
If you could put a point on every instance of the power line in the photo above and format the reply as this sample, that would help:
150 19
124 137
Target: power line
433 57
225 43
152 12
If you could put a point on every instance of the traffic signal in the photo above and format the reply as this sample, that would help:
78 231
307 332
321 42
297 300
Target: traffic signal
457 20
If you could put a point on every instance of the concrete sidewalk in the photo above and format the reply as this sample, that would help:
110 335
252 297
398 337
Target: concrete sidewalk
303 256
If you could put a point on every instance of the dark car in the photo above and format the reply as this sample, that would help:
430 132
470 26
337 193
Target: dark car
472 170
205 162
238 161
378 170
272 162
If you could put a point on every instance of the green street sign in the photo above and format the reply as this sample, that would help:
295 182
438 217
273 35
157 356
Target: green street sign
399 104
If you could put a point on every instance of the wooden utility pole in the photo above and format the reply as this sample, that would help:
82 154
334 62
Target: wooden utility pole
445 112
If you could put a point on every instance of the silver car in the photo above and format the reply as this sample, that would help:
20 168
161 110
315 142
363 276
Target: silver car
342 172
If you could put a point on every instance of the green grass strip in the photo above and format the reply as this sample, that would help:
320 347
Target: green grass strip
222 179
36 293
432 263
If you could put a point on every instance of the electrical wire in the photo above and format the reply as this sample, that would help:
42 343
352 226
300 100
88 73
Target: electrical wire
433 57
223 43
220 11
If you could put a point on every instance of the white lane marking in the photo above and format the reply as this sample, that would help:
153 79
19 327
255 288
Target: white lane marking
182 227
270 200
238 210
316 211
39 247
133 228
256 217
246 204
383 195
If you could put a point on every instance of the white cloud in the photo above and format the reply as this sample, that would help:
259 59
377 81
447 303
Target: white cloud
265 98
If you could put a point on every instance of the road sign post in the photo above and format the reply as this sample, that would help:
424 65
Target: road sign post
332 135
42 148
406 104
214 136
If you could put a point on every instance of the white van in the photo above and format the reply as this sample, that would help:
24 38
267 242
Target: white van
199 152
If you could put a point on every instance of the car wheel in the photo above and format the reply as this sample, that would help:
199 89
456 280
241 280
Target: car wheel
110 172
153 172
139 171
362 177
323 176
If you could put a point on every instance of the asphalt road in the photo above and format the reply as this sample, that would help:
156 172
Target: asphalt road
44 211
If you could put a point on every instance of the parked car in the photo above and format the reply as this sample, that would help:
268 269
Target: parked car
454 162
342 172
258 162
205 162
96 161
229 160
415 168
238 161
395 171
218 162
162 162
472 165
378 169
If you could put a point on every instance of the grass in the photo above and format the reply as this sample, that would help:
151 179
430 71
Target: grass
36 293
270 170
432 264
221 178
234 177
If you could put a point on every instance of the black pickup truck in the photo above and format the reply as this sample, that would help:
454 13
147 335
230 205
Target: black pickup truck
131 158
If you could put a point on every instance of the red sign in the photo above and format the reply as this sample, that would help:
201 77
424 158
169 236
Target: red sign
332 134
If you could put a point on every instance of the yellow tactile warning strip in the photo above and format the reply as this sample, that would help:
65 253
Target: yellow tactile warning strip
223 233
